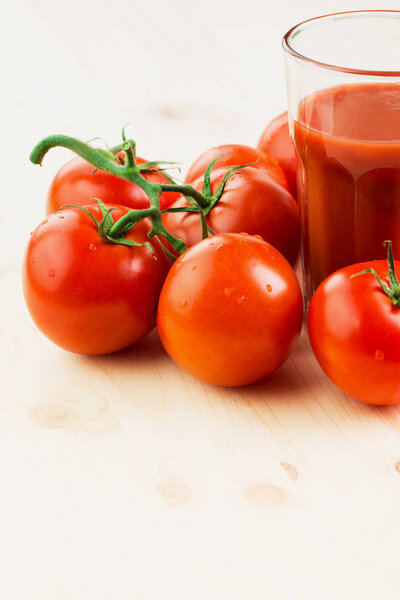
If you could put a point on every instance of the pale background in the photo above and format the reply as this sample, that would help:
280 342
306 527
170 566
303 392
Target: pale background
122 477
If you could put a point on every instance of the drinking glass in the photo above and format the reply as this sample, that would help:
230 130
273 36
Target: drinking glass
343 84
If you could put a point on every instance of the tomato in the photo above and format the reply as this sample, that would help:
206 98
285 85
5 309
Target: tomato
230 310
276 142
252 202
77 182
354 330
237 154
86 295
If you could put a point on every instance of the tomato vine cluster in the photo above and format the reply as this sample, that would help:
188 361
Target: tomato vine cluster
124 247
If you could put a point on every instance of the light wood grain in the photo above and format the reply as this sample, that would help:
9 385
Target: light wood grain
123 477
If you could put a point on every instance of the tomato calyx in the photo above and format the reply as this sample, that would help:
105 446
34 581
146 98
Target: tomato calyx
203 202
211 198
207 200
393 289
106 225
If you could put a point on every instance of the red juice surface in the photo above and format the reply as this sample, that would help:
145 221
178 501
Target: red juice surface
348 146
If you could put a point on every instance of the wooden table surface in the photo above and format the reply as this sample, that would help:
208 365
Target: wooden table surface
122 476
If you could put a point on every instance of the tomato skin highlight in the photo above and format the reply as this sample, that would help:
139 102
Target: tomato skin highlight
252 202
78 182
276 142
237 154
354 330
86 295
230 310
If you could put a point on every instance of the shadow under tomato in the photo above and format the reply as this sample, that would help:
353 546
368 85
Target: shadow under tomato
283 385
289 381
283 382
390 412
141 355
298 376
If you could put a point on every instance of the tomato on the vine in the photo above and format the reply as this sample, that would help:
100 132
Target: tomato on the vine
354 329
78 182
86 295
276 142
230 310
252 202
230 155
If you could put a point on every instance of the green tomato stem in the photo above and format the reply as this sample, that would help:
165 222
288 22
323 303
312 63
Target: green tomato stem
393 289
99 158
108 161
186 190
105 161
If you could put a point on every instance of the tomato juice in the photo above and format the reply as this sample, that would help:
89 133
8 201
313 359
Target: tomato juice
348 151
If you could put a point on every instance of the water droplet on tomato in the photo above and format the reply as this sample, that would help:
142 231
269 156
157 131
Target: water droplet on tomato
183 304
211 244
194 267
379 355
240 299
219 246
61 217
92 247
51 273
269 287
258 236
45 221
229 291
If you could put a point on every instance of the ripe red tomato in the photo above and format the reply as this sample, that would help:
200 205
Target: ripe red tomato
230 310
77 182
276 142
86 295
354 331
252 202
237 154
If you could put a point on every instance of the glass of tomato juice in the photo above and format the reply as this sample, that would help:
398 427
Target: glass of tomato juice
343 82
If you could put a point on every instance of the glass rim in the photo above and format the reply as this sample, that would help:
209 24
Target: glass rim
288 48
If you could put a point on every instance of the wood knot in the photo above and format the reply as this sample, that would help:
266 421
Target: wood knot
174 490
53 415
290 471
263 494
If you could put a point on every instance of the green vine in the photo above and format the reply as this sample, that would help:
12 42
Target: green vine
393 289
110 161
